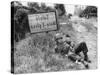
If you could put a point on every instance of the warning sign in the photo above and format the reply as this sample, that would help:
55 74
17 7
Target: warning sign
42 22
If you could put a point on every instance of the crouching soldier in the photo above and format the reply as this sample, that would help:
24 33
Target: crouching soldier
61 46
66 47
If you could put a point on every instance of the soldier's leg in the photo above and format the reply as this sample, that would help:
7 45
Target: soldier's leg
77 59
86 57
85 51
72 57
77 49
82 47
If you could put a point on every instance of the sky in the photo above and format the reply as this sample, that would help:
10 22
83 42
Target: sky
70 8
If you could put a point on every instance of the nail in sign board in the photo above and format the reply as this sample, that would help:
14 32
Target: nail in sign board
41 22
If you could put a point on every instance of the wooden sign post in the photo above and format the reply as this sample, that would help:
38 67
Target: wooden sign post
42 22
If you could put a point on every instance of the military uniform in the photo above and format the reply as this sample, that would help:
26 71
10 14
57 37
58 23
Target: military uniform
66 47
62 46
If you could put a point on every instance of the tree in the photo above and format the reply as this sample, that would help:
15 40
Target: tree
16 3
61 9
89 11
19 21
33 5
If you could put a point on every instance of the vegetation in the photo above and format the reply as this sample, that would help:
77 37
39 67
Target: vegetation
89 11
36 54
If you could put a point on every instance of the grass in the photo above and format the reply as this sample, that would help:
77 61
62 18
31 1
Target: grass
36 54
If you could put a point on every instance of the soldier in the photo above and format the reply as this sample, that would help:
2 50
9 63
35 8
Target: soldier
66 47
63 43
61 47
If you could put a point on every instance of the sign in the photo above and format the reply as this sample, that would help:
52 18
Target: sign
42 22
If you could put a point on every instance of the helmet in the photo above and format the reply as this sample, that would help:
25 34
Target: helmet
58 35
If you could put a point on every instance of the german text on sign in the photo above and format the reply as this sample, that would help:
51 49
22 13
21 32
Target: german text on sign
42 22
